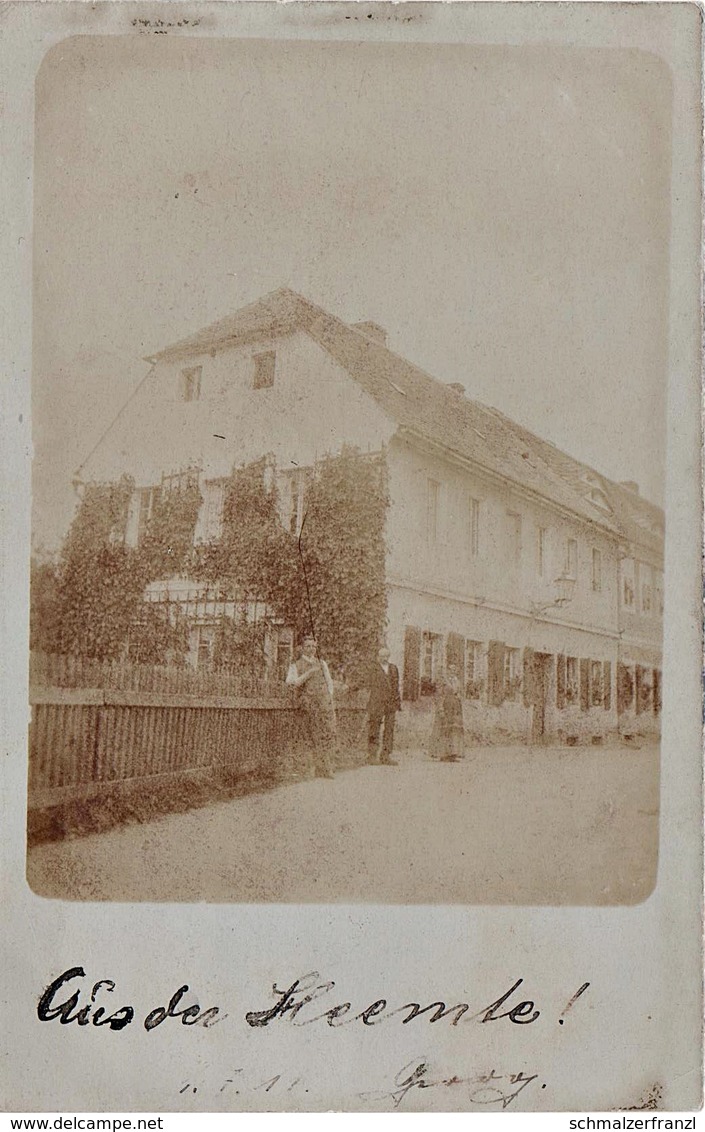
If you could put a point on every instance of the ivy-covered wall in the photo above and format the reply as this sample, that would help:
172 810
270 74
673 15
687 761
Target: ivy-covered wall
97 608
328 579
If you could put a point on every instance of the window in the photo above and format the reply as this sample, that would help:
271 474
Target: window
181 481
514 536
292 498
433 492
572 687
658 592
191 383
645 581
209 525
511 674
202 645
541 535
570 566
596 692
596 571
264 370
628 583
430 652
138 515
473 670
279 652
473 526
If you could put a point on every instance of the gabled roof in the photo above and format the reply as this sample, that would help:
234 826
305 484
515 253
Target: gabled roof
420 405
639 520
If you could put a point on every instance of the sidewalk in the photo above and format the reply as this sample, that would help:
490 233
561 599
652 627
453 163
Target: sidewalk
506 825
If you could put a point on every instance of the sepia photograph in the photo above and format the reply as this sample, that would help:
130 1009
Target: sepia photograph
349 386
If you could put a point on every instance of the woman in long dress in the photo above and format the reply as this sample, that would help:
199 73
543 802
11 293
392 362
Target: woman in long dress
448 734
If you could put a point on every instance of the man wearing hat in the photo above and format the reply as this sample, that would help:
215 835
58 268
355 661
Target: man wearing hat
382 707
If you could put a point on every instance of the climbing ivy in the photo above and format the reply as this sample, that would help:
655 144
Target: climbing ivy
327 579
99 610
343 550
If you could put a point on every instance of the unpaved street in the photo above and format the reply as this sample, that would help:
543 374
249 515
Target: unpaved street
506 825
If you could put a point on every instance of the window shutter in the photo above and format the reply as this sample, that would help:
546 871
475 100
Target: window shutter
607 684
584 684
495 673
560 682
455 652
528 680
639 689
657 691
412 662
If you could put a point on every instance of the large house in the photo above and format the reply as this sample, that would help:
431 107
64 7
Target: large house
537 576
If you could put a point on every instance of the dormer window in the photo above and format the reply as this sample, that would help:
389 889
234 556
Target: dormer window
264 370
191 383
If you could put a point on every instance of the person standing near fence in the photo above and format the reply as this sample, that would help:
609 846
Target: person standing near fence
311 677
382 708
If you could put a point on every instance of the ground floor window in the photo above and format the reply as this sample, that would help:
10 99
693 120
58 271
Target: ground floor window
512 679
572 687
430 658
596 683
202 645
473 670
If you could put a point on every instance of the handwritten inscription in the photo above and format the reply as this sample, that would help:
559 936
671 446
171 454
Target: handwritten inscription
293 1004
487 1090
483 1089
305 1001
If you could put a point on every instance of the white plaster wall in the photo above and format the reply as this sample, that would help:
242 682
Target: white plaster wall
448 566
313 408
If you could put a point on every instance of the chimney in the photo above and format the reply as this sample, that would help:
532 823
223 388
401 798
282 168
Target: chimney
372 330
457 387
631 485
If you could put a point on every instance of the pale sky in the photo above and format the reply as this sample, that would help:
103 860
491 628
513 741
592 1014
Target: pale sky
503 212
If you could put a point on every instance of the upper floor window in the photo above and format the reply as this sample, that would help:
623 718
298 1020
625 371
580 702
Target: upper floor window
596 570
264 370
647 597
138 515
209 525
191 383
433 496
570 565
514 536
628 574
541 537
180 481
293 487
473 526
658 591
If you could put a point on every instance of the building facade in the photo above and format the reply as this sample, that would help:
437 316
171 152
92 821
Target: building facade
535 576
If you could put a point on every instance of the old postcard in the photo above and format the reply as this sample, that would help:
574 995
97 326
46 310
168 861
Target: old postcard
353 643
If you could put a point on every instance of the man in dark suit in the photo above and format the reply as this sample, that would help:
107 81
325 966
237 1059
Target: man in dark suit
382 707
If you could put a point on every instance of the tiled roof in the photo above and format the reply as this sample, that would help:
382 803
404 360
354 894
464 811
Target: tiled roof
431 410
